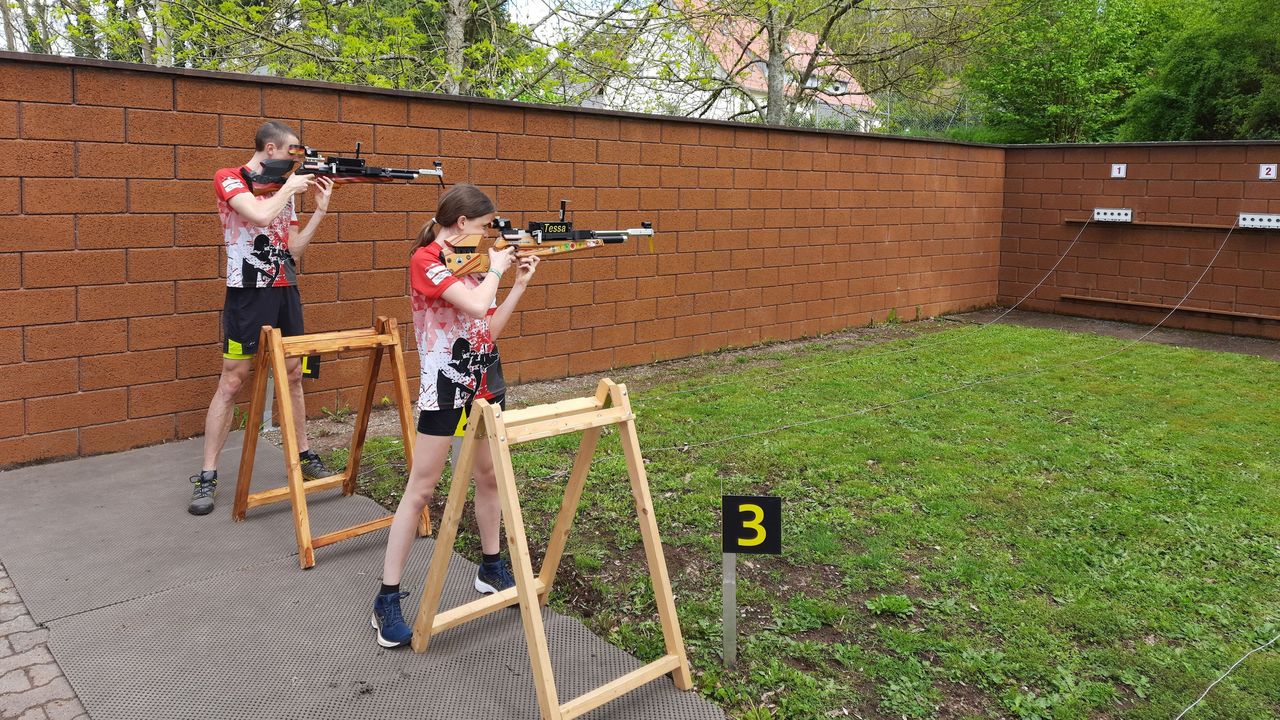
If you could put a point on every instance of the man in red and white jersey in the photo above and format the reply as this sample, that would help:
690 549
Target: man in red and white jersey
263 244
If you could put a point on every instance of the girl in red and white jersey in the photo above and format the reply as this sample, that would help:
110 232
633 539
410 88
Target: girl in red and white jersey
456 321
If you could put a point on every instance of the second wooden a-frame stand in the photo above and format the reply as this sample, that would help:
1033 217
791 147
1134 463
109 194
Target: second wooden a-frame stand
492 431
273 350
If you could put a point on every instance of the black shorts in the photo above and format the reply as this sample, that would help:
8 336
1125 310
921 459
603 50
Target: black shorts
444 423
246 310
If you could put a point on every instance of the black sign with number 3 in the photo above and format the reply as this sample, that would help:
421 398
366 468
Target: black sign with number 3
752 524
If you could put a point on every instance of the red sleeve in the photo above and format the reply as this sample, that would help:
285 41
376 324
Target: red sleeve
227 183
427 274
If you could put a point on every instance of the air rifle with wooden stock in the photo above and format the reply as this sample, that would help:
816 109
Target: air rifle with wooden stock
341 170
544 238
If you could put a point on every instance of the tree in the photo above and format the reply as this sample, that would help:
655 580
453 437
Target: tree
907 55
1061 70
687 57
693 57
451 46
1219 79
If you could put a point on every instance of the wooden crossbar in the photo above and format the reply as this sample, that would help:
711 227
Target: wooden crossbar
566 424
537 413
336 345
587 702
477 609
273 351
280 494
492 431
353 531
293 340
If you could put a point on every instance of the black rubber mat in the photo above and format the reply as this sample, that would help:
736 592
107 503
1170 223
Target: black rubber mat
86 533
154 613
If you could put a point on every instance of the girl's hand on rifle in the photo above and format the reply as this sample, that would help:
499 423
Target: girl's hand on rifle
323 191
528 266
500 260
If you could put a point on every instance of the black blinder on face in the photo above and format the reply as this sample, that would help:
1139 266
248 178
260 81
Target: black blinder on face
276 168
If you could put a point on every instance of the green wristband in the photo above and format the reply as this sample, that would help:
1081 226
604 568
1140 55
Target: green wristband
495 272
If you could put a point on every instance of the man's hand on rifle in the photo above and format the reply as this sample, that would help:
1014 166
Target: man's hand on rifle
297 183
323 191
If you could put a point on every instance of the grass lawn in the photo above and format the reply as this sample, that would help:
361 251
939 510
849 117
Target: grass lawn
1097 540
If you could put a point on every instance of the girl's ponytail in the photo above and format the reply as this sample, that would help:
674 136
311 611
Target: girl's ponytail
426 236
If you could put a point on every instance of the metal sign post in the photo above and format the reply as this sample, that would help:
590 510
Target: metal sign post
752 524
730 591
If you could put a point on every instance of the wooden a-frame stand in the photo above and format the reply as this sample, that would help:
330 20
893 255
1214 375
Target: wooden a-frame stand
492 431
273 349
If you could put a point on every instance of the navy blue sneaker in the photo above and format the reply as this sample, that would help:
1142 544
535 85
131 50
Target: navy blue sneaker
387 619
494 578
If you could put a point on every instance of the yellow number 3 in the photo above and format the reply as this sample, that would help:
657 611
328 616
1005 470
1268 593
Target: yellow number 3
753 524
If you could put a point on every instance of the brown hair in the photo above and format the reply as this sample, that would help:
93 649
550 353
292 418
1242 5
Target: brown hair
461 200
272 131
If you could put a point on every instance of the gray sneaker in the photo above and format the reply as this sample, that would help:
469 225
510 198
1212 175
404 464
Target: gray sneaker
206 486
313 468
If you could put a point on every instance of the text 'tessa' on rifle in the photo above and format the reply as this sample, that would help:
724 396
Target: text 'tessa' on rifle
542 238
342 170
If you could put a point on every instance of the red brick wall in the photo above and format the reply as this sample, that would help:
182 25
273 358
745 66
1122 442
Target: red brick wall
111 262
1184 200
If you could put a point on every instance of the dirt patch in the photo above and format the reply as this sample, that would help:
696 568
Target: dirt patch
326 434
579 594
812 579
962 701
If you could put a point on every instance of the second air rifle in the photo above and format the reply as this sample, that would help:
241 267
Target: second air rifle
544 238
